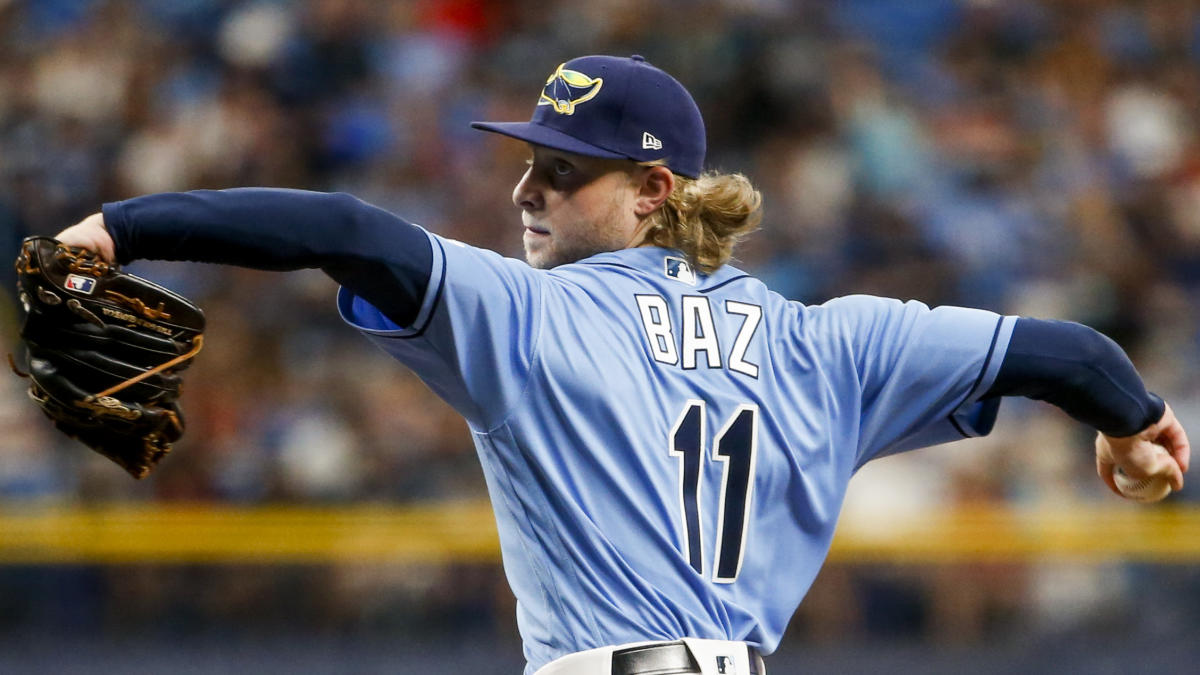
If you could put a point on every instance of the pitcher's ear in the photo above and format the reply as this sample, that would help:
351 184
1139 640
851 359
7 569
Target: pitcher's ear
655 185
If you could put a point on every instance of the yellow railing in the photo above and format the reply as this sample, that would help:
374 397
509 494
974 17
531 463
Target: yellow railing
1166 534
207 533
465 532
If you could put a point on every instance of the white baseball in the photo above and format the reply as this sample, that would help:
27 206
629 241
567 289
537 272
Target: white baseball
1149 489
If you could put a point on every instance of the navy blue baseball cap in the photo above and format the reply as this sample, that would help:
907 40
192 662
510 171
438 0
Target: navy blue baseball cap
616 108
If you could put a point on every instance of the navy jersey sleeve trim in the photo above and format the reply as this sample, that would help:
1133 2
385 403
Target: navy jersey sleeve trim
363 315
437 297
976 415
958 427
982 371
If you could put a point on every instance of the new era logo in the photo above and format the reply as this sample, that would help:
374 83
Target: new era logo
82 284
649 142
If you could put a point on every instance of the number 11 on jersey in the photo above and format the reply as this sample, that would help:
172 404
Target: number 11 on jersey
735 445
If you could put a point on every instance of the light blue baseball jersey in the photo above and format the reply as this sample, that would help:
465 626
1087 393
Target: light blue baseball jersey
667 451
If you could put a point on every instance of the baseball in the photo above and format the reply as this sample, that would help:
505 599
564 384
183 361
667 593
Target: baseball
1149 489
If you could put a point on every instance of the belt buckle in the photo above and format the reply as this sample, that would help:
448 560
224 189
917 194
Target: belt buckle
680 658
667 658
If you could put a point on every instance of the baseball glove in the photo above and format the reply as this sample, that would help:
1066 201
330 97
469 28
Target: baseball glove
105 348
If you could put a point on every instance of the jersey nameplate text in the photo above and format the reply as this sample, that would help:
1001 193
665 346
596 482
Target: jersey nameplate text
682 343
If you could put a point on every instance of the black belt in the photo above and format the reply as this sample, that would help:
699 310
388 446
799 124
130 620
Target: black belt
670 658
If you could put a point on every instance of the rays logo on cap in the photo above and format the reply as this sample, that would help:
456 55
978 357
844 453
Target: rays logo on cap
566 89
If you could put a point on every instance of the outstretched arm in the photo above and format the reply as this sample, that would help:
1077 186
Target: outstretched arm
375 254
1091 379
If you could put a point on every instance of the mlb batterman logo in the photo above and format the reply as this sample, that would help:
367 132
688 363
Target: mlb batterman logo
83 285
679 270
566 89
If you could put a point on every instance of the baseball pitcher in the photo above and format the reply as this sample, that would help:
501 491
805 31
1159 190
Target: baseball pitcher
666 441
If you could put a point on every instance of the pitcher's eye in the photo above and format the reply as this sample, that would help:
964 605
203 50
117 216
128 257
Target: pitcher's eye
562 168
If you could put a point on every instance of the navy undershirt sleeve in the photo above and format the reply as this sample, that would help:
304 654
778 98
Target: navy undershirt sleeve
1081 371
371 252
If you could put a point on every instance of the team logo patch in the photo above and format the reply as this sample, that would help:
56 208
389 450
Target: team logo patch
84 285
679 270
566 89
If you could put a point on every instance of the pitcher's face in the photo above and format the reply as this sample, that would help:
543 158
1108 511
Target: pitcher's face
574 207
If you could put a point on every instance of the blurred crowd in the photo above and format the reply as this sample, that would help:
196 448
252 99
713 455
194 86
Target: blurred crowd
1035 158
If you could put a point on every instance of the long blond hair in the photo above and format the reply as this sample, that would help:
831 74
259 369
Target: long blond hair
706 217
